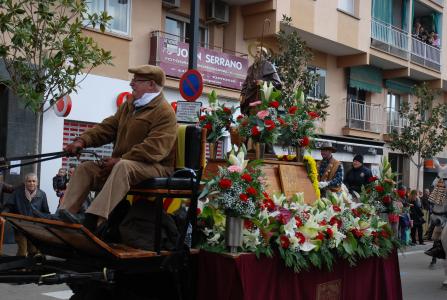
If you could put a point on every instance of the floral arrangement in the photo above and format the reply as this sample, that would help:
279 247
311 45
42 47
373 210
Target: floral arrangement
217 119
312 173
298 124
263 124
305 235
381 191
236 189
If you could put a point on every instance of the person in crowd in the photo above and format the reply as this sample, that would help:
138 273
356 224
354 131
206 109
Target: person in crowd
358 176
259 72
417 27
28 201
60 183
144 133
330 170
417 216
436 42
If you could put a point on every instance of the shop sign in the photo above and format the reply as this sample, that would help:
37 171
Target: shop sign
217 68
188 112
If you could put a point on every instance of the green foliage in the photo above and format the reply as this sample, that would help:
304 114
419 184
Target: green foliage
424 133
44 50
292 62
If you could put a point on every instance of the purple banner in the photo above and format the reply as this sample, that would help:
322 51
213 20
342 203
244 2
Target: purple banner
217 68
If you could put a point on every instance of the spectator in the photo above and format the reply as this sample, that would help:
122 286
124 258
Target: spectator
417 216
25 201
435 40
60 181
358 176
330 170
417 28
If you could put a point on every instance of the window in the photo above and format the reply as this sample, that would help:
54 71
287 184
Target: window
393 105
319 88
347 6
179 30
119 10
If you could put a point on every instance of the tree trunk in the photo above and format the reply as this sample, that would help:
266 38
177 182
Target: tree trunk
37 147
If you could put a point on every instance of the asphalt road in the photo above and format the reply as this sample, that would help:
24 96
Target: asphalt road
418 280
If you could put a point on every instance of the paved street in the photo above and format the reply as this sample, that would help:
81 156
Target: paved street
418 281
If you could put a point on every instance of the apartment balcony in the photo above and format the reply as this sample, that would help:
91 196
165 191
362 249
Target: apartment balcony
363 120
395 122
390 39
425 54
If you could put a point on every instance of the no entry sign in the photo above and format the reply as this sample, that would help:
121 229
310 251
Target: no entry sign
191 85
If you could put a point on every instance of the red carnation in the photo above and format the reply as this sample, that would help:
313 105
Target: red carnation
284 241
247 177
357 233
292 109
274 104
386 199
226 110
202 118
304 141
299 222
384 234
255 131
401 193
323 223
240 117
225 183
334 221
373 178
269 204
266 195
281 121
355 212
379 188
251 191
320 236
269 125
248 224
312 115
330 232
374 234
243 197
301 238
336 208
208 126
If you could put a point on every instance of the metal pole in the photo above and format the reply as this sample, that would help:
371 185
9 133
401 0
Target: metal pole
193 34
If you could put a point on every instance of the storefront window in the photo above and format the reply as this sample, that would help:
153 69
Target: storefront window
119 10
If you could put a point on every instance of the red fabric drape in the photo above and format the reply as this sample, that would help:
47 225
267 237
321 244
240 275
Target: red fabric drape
246 277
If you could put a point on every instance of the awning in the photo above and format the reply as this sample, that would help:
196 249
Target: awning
352 148
366 78
400 85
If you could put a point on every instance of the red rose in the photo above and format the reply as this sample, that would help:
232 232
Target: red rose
274 104
269 204
255 131
243 197
247 177
401 193
240 117
334 221
281 121
299 222
384 234
202 118
225 183
226 110
208 126
301 238
386 199
284 241
248 224
323 223
373 178
320 236
292 109
355 212
379 188
374 234
336 208
251 191
312 115
266 195
304 141
283 219
269 124
357 233
330 232
198 211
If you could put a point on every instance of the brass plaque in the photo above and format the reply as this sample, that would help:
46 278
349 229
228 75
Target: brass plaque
294 179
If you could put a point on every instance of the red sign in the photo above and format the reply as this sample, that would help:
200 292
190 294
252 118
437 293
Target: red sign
62 107
217 68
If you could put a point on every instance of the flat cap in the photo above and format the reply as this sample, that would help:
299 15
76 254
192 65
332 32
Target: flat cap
150 72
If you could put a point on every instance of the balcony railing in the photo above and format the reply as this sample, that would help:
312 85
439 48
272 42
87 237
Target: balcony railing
363 116
395 122
425 54
389 38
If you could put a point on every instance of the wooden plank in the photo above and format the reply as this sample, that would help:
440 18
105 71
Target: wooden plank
273 184
294 180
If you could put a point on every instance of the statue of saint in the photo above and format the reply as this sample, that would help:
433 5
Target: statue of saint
259 72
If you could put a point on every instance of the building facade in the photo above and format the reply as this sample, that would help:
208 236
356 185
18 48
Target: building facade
368 54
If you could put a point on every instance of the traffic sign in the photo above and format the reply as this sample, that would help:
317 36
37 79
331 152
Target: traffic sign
191 85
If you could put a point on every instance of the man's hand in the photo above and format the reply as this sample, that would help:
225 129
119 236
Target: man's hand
74 148
323 184
108 163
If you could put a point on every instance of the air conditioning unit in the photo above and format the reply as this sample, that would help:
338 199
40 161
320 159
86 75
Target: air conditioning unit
217 12
171 3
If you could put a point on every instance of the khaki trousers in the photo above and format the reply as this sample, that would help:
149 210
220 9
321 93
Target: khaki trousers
115 186
24 246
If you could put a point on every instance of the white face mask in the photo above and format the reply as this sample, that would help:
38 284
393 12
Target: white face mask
145 99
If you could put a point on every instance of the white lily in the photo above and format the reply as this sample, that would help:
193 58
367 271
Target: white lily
214 240
290 227
307 246
279 199
239 159
251 239
267 88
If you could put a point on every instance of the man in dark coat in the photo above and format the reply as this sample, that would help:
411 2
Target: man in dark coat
358 176
259 72
26 201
